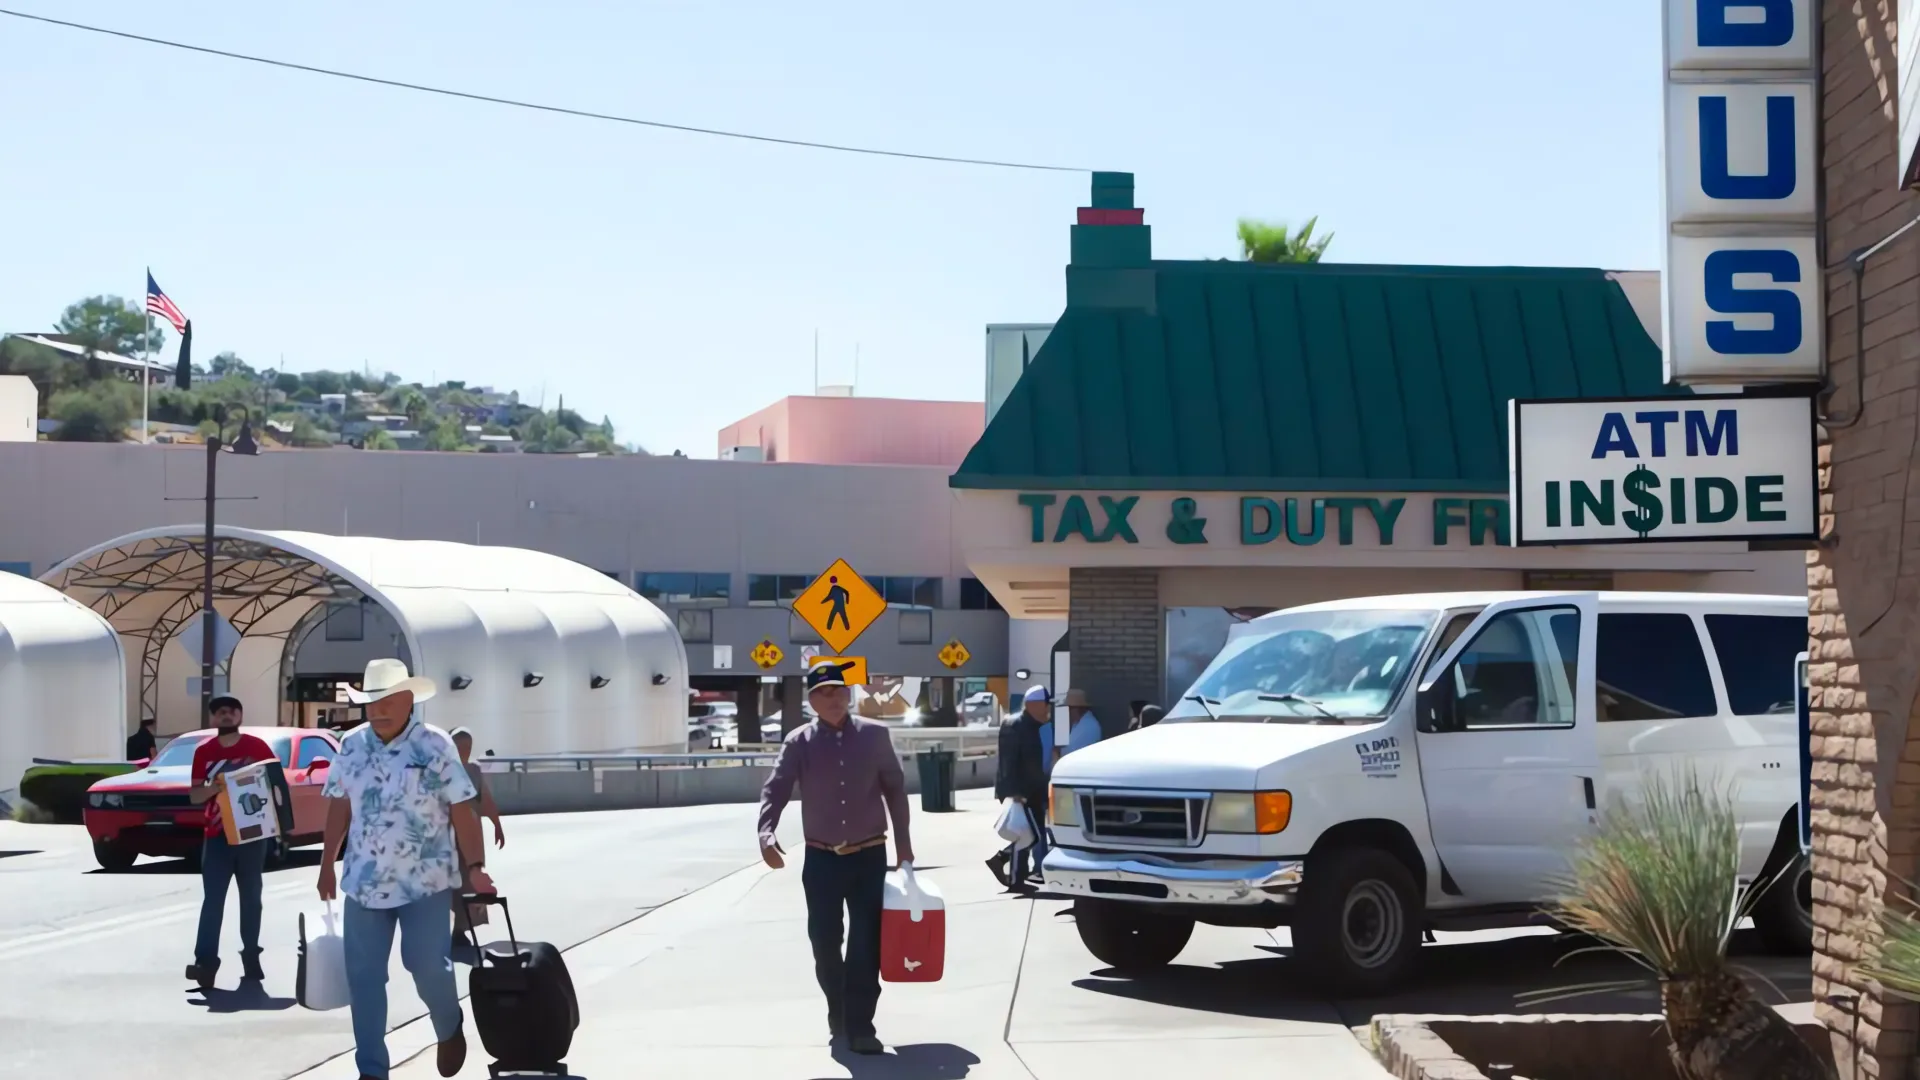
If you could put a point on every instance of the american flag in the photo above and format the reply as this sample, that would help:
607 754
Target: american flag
158 304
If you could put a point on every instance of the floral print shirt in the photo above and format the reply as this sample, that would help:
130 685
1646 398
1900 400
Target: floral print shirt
400 846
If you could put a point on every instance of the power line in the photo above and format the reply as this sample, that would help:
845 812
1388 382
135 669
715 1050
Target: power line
535 106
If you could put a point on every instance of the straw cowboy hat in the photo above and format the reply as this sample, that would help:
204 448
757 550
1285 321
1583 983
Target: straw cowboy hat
384 678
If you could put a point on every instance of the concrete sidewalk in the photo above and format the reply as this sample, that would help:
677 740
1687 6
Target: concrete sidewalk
720 985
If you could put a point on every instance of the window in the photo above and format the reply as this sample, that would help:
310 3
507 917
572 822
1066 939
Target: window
346 622
311 751
916 627
975 597
1512 675
283 749
685 588
904 591
1300 667
179 752
21 568
1651 667
773 590
694 624
1756 653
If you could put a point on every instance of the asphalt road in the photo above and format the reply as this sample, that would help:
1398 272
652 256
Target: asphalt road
93 962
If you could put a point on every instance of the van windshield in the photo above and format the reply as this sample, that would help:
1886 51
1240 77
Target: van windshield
1308 666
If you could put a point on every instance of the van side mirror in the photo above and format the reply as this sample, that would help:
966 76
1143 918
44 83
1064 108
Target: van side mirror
1434 706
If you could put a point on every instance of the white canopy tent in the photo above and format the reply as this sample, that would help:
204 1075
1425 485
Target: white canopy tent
548 655
62 681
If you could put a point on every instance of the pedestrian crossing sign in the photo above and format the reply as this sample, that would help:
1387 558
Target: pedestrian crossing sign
839 605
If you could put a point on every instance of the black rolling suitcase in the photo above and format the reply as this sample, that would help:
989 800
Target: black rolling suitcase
523 1002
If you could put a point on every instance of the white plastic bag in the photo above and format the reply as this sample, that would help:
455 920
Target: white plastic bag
1015 826
320 982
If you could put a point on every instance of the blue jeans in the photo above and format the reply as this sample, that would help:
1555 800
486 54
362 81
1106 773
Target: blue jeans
220 861
426 935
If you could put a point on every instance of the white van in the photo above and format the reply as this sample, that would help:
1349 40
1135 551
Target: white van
1309 779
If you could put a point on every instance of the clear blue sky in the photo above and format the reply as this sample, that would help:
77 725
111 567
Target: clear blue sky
673 281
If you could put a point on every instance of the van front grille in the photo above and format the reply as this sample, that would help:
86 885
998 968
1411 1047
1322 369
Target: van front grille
1170 820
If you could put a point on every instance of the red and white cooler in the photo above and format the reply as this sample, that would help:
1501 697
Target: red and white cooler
913 929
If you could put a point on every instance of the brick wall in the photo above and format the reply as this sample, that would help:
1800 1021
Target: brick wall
1115 630
1863 584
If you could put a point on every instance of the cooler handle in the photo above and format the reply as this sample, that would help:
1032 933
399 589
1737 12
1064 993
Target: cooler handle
491 900
915 895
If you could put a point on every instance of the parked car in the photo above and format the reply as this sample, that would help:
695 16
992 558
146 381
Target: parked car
1367 769
147 812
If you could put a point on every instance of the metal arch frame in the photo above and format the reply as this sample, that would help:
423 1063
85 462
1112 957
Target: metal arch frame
262 577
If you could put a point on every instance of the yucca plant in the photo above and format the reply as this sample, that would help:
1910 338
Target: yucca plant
1263 242
1660 883
1895 961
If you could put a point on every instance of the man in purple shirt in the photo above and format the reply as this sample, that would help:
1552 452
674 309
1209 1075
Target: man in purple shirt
850 786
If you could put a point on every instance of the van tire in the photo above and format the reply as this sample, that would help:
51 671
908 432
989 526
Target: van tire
1783 914
1130 938
1359 920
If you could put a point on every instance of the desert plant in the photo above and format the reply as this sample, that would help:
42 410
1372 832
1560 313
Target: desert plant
1265 242
1660 883
1895 959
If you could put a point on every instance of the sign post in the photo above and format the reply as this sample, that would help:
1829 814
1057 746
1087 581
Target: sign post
1802 696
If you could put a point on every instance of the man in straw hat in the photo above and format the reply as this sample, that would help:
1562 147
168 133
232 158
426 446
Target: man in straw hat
401 804
851 786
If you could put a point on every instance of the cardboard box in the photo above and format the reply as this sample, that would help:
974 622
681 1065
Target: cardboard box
250 803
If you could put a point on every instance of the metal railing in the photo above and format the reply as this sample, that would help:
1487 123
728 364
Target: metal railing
704 760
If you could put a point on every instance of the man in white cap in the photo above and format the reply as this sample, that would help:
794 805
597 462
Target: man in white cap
401 804
1025 761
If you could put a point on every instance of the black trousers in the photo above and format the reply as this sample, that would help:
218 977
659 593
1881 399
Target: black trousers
843 900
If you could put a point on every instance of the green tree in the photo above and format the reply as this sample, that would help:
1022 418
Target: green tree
443 434
306 433
326 382
410 402
227 363
378 440
1264 242
108 324
288 383
98 413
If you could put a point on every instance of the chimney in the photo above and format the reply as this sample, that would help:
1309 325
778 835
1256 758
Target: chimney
1111 265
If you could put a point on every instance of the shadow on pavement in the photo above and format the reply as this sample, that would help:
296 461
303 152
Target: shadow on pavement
11 854
916 1061
154 866
1478 977
249 996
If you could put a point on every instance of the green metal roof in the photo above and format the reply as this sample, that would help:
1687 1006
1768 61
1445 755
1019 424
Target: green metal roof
1231 375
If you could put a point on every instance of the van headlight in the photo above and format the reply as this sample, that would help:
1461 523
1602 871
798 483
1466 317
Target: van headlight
1063 807
1258 813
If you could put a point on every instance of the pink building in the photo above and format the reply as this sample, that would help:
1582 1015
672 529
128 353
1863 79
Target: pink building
844 430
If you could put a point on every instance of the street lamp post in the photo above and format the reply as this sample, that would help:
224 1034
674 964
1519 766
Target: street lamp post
244 444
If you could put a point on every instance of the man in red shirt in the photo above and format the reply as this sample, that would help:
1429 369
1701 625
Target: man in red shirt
220 861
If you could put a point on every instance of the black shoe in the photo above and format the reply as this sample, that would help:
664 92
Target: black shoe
202 974
866 1044
836 1027
998 867
250 968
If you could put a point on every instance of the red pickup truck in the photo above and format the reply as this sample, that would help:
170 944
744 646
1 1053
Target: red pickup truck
147 812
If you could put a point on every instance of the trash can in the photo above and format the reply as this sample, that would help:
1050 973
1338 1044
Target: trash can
936 779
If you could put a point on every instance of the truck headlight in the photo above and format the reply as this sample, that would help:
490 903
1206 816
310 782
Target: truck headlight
1260 813
1063 806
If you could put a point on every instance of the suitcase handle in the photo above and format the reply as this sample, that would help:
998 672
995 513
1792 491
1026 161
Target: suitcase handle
473 932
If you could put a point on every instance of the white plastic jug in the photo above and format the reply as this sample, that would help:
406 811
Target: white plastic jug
320 983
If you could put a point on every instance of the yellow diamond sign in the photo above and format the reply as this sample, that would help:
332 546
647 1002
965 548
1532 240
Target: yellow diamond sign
955 655
767 655
839 606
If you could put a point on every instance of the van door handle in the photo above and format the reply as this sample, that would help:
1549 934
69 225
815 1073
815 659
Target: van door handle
1587 782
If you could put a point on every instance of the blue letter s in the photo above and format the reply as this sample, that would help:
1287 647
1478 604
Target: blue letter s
1724 298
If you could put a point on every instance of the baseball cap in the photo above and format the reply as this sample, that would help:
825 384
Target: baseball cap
823 675
1037 693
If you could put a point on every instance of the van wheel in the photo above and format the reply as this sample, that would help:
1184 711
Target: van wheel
1130 938
1359 919
1784 913
113 858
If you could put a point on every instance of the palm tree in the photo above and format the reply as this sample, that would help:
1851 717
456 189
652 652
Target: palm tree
1263 242
1660 883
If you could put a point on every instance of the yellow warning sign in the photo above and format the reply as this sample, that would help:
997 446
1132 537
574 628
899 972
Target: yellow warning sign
767 655
839 606
955 655
853 668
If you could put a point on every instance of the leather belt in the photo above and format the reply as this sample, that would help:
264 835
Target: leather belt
848 849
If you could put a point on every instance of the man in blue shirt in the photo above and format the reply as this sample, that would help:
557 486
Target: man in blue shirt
1083 729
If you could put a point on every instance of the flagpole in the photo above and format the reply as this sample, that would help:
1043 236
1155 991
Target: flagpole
146 359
